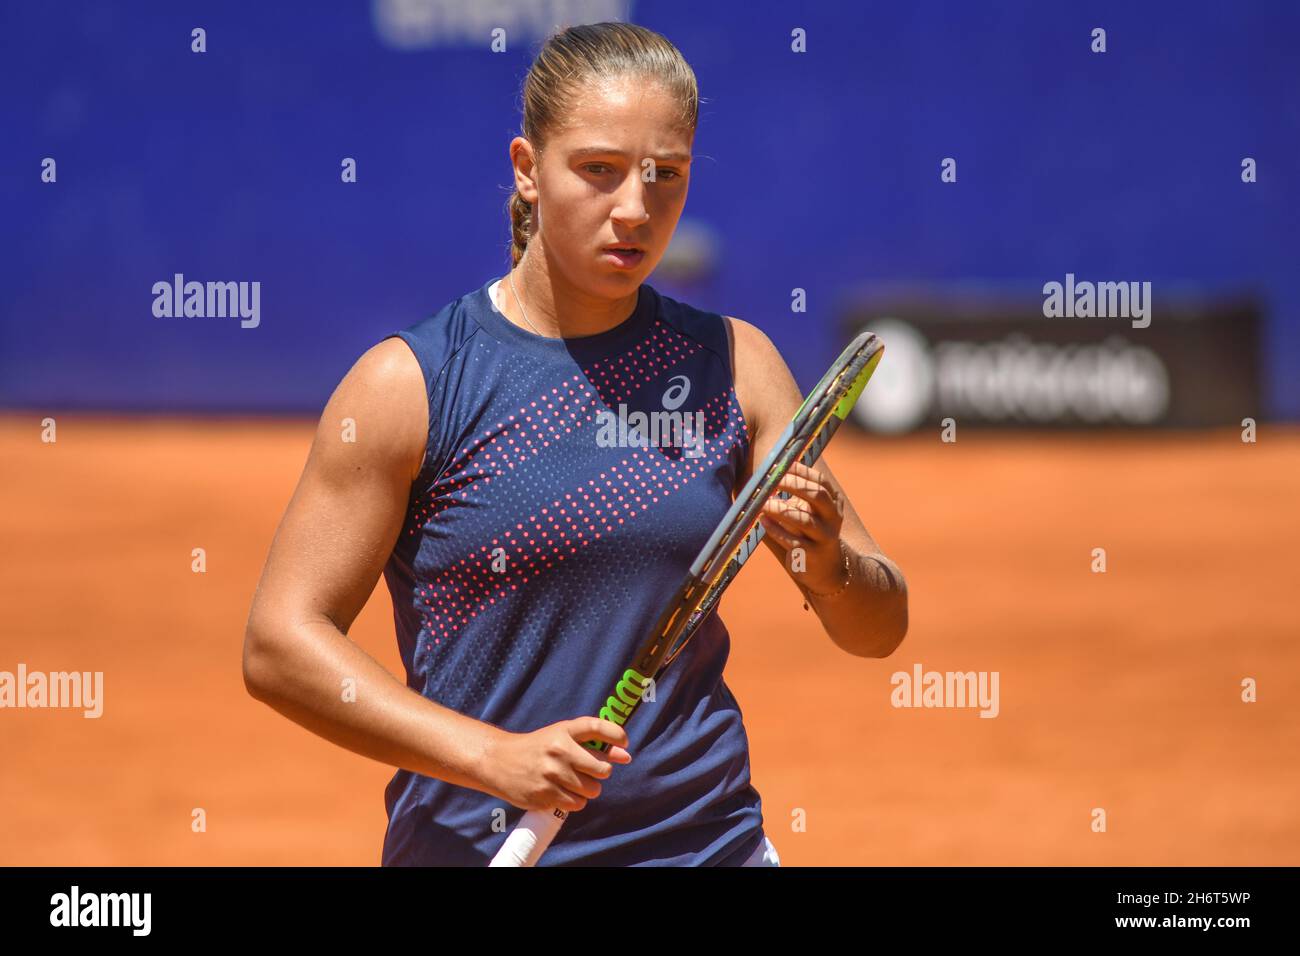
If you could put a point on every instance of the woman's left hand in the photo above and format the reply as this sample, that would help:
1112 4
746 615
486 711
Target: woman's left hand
810 519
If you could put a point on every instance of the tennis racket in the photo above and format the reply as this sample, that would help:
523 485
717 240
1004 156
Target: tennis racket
721 558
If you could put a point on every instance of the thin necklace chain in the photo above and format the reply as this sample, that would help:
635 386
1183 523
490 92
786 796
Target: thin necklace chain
520 302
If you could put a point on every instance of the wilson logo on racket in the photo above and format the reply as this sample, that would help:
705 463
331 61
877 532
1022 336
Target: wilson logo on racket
619 706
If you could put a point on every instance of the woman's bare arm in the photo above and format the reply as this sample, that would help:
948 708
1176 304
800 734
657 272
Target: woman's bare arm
867 618
328 554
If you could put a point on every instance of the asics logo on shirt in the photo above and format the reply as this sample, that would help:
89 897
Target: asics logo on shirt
622 428
676 394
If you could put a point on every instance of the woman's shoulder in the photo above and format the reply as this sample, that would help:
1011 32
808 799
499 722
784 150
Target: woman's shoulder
435 338
711 330
381 401
387 390
747 348
758 371
749 341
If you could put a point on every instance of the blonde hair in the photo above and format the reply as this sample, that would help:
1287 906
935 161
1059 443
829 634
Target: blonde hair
579 55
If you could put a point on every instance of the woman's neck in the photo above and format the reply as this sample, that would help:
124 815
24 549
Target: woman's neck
556 309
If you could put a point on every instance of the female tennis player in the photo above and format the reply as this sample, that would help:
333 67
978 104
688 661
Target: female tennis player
491 463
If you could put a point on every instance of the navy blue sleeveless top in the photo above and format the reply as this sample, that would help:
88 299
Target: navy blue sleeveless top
541 541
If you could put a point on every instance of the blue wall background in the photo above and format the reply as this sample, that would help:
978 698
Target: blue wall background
818 171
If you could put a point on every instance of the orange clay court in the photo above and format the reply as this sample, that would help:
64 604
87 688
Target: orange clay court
1120 691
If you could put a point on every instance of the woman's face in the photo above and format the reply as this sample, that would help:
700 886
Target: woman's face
616 174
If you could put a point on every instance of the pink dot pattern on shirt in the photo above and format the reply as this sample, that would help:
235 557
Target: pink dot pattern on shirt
630 483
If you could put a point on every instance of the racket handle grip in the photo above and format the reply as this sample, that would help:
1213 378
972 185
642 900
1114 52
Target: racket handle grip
530 838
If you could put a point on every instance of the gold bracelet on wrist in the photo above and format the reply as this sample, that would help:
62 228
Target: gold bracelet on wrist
848 577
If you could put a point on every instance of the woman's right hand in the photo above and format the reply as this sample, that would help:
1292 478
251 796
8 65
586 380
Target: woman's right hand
550 768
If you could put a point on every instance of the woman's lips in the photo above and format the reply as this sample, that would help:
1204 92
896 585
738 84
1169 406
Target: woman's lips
623 258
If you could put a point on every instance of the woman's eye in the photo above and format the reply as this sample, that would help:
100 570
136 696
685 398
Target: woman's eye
600 168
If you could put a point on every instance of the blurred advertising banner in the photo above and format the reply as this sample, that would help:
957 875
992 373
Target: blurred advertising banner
1067 359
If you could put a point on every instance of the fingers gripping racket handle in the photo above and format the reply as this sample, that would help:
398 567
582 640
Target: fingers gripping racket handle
530 838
